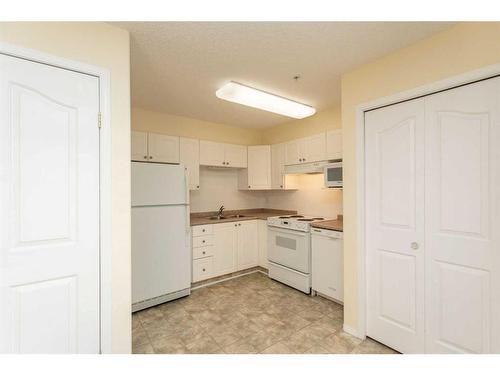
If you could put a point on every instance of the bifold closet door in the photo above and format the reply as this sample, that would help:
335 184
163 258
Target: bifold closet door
462 219
395 225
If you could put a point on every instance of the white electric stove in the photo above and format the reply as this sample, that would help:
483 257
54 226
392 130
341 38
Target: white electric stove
289 250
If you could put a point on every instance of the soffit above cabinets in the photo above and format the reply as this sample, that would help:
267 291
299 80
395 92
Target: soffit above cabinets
176 67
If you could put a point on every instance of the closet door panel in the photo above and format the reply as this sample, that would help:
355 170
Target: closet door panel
394 217
462 219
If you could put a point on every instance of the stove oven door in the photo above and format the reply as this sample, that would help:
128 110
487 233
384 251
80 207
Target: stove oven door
290 248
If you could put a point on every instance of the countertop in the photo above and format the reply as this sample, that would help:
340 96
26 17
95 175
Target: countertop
337 224
203 218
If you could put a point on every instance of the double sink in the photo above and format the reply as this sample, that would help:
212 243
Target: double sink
226 217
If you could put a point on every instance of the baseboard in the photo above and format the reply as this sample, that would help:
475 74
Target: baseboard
353 332
159 300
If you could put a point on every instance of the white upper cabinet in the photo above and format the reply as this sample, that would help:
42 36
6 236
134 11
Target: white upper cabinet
334 144
139 146
278 166
258 174
314 148
292 152
163 148
306 150
223 154
278 178
189 155
153 147
235 155
212 153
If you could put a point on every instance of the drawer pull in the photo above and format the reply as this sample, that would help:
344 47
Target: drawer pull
203 230
203 253
203 269
203 241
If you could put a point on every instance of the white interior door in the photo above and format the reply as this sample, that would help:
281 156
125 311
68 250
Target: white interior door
49 216
395 225
462 219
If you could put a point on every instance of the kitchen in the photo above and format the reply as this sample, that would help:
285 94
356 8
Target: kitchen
238 248
233 188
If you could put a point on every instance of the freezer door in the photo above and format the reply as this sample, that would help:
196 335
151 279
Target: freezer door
158 184
161 256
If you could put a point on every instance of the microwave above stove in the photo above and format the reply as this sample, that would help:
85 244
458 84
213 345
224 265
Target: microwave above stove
333 175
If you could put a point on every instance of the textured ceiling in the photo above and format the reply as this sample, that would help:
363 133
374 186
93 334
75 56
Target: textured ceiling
178 66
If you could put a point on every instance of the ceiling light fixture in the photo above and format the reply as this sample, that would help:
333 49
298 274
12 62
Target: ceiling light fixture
241 94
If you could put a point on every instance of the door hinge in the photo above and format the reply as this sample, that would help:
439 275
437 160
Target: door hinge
99 122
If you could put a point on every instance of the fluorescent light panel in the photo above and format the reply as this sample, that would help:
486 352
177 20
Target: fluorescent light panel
241 94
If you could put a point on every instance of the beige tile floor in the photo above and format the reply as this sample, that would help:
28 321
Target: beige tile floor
249 314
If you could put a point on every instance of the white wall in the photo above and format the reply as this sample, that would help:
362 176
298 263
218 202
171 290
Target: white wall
311 198
218 187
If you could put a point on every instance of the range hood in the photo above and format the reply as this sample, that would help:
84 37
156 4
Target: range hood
306 168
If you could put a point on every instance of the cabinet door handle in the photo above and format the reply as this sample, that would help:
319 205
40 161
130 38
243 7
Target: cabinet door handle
145 157
281 186
414 246
239 225
197 186
249 186
150 157
203 269
203 241
203 230
304 159
203 253
235 225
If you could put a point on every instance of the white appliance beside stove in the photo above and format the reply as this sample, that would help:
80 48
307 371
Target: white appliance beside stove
289 250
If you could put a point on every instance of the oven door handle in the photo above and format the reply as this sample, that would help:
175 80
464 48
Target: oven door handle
287 231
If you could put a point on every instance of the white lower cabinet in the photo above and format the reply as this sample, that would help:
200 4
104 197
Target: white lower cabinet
219 249
203 268
225 248
328 263
262 235
248 247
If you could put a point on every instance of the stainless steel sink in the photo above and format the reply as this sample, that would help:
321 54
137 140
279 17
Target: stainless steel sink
217 217
236 216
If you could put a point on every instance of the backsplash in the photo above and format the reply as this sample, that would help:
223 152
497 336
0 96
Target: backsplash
311 198
220 186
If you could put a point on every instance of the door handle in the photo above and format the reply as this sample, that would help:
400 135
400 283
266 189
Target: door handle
414 245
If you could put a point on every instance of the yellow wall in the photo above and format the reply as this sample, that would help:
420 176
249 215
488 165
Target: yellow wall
462 48
105 46
321 121
165 123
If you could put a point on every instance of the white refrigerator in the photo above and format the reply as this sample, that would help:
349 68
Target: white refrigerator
161 255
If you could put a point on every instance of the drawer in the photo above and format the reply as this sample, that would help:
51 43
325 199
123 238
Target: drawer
203 241
202 252
202 269
201 230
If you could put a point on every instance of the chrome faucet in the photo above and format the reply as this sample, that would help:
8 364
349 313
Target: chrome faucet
219 214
